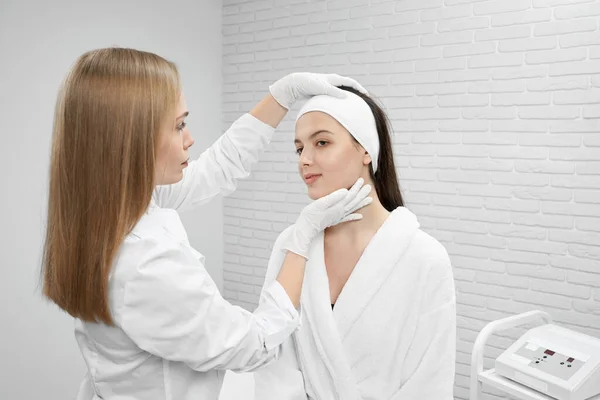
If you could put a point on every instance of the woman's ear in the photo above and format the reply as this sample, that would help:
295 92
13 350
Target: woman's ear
367 159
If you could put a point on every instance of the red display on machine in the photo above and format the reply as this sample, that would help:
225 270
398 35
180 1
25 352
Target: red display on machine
570 359
549 352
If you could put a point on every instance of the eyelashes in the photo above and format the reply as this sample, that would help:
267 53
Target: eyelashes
299 149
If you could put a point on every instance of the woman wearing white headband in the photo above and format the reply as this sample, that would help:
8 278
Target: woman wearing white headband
150 322
378 303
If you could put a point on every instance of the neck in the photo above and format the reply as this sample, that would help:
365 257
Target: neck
374 215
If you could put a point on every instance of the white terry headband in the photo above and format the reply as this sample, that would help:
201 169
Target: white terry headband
354 114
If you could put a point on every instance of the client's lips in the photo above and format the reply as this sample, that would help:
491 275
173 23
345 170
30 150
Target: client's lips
310 178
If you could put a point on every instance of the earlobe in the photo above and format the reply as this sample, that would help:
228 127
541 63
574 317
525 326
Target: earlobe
367 159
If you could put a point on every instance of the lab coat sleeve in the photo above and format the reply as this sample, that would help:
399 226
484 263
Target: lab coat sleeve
430 362
277 257
219 167
173 309
282 379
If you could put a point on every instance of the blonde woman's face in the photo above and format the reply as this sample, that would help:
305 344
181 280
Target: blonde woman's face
175 140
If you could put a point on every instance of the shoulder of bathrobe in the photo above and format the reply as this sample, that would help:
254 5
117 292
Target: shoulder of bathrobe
424 247
437 278
432 255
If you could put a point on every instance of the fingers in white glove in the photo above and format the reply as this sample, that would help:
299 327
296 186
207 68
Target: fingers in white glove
327 211
351 217
338 80
356 193
358 204
356 187
360 196
297 85
335 197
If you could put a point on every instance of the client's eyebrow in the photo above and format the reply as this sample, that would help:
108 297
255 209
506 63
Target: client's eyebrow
296 141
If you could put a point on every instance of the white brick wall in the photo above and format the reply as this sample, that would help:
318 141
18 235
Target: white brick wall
495 107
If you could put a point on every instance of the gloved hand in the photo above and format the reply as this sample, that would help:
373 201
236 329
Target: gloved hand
300 85
327 211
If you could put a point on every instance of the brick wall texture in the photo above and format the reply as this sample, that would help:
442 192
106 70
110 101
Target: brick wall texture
495 109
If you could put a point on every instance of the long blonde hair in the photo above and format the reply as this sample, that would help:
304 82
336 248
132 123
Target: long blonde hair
108 117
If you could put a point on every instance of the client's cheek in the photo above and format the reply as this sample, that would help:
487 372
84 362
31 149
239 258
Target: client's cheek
321 189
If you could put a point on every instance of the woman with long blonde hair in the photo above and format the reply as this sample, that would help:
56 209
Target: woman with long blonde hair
149 320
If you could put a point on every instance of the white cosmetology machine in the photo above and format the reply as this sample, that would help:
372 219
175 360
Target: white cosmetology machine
548 362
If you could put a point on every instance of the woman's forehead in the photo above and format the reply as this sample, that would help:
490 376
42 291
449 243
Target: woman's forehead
182 104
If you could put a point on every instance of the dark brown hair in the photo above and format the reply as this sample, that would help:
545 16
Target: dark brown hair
385 179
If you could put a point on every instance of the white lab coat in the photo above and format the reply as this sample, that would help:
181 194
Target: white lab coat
392 333
174 335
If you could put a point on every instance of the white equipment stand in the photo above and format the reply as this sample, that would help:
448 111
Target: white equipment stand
491 377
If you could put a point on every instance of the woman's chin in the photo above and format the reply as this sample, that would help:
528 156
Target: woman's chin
314 193
176 178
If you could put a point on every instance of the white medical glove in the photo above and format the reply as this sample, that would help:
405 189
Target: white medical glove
299 85
327 211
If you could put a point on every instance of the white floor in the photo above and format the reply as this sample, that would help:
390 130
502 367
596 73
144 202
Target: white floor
237 386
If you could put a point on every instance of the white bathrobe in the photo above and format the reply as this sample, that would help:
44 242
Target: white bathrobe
392 333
